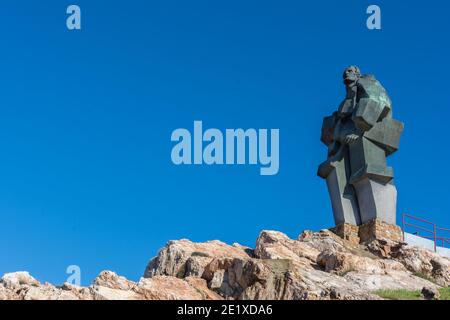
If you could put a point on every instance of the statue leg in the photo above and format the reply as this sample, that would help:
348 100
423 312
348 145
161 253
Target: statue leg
342 194
373 182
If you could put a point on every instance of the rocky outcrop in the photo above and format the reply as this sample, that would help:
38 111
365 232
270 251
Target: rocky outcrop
183 258
317 265
108 286
419 261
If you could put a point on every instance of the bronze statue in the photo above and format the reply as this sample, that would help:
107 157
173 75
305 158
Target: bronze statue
359 136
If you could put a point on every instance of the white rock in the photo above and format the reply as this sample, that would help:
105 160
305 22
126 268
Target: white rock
16 279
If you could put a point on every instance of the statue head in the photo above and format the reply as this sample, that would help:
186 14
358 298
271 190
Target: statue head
351 75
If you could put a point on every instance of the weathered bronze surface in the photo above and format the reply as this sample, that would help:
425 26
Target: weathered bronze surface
359 136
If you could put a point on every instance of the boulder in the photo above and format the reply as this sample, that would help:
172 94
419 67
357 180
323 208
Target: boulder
277 245
421 262
429 293
172 288
171 260
16 279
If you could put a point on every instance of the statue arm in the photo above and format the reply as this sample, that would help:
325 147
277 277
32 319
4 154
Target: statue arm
328 126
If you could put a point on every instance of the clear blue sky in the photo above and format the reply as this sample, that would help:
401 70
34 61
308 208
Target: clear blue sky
86 117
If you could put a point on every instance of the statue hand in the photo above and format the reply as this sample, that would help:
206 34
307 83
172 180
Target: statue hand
351 138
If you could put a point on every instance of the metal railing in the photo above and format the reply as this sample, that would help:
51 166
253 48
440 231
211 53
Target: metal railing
428 230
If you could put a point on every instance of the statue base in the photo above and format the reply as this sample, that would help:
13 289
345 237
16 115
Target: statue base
347 232
367 232
379 229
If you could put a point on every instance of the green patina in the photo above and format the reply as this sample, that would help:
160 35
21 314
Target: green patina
359 136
